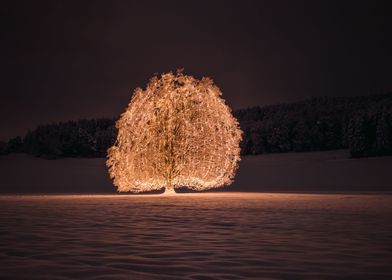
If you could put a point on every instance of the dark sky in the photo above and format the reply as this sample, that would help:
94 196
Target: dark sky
63 60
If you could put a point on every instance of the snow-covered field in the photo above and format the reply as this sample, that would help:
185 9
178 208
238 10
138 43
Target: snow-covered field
196 236
311 172
223 235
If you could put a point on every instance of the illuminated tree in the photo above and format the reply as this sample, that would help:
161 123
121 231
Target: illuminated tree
178 132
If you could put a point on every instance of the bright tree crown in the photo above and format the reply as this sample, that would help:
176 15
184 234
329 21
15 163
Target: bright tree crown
178 132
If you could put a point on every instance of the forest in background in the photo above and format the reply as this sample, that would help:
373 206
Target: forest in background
361 124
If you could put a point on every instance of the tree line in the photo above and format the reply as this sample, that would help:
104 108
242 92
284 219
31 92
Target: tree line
82 138
361 124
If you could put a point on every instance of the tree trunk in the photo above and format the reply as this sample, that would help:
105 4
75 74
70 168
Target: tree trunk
169 191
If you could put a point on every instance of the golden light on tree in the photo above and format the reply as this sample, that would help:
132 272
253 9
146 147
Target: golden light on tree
178 132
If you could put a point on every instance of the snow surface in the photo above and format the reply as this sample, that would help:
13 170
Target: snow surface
196 236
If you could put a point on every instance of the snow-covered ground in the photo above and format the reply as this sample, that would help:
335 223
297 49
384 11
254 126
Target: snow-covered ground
315 171
311 172
196 236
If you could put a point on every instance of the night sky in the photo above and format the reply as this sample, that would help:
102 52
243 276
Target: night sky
63 60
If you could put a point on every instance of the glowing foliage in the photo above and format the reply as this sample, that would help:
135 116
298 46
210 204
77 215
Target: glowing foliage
177 132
